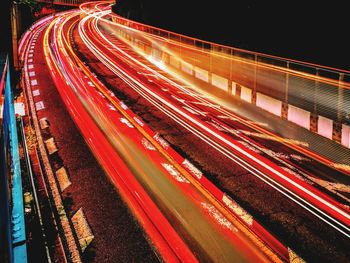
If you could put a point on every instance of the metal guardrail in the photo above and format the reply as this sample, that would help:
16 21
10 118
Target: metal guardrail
320 93
12 232
63 2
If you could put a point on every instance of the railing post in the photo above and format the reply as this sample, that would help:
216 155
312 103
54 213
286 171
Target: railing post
337 124
314 114
230 74
284 114
254 84
210 64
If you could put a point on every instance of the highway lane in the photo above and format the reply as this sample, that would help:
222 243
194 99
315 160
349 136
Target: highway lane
325 199
154 175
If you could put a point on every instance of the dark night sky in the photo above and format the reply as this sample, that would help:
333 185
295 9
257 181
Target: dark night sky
313 31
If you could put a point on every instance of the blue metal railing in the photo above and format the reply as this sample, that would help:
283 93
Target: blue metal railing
12 231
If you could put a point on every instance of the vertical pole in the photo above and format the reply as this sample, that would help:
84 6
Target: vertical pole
15 33
180 60
210 64
7 37
230 74
314 114
286 91
337 124
254 84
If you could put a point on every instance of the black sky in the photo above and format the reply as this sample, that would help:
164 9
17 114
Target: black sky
313 31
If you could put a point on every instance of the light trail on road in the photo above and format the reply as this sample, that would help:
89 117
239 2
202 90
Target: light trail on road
308 197
113 137
185 219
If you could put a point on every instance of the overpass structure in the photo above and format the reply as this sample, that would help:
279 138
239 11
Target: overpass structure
313 96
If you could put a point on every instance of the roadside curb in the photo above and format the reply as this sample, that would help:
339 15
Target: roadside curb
71 248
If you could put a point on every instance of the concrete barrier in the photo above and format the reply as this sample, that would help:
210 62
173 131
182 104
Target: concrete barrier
325 127
234 88
174 62
220 82
246 94
201 74
269 104
299 116
187 67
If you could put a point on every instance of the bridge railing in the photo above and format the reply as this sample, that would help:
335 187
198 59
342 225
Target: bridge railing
63 2
313 96
12 220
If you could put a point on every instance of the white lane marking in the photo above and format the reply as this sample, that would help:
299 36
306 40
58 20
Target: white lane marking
250 147
218 216
39 105
36 92
125 121
139 122
111 107
161 141
123 105
175 173
34 82
193 169
31 74
147 144
238 210
30 66
195 111
101 94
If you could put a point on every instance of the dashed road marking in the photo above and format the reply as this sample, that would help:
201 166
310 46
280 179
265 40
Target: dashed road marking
62 178
82 229
51 146
43 123
34 82
39 105
36 92
175 173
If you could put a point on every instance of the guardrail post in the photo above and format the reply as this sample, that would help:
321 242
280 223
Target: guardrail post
337 124
230 74
210 64
254 84
284 114
314 114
